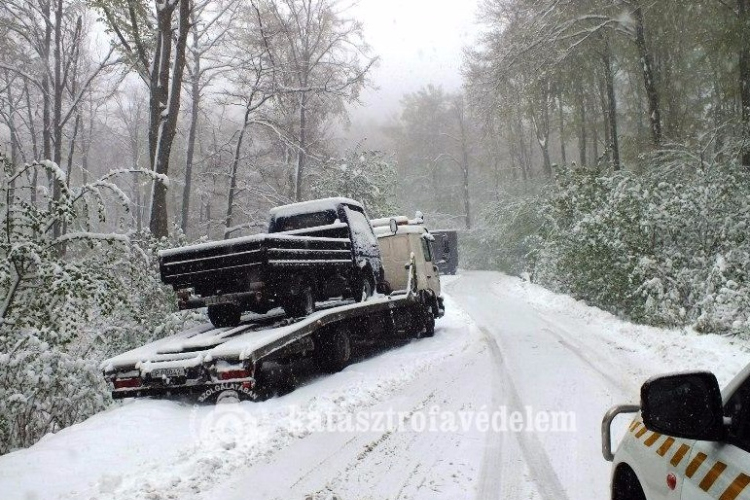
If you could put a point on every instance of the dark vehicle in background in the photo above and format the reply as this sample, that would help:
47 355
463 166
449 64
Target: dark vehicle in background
313 251
445 248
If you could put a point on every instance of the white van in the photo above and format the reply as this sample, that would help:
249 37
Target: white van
401 240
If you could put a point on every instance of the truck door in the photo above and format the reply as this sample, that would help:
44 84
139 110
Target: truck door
430 268
722 470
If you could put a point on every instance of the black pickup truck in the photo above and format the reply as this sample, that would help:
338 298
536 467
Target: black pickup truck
313 251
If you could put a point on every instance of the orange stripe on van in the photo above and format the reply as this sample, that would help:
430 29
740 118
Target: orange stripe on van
734 489
652 439
679 455
712 475
665 446
693 466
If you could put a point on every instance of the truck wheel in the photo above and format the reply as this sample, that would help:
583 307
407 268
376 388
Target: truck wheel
299 305
260 308
428 323
364 286
223 315
334 351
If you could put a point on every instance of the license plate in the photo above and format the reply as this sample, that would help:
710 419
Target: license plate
168 372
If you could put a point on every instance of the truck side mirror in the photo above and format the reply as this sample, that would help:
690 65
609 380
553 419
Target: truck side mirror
686 405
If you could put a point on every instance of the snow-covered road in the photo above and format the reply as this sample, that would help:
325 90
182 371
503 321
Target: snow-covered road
505 402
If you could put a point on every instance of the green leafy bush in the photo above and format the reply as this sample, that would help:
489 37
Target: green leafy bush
71 296
668 247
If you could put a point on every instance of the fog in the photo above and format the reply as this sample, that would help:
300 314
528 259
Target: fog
417 42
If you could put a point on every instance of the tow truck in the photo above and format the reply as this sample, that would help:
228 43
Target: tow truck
244 358
689 440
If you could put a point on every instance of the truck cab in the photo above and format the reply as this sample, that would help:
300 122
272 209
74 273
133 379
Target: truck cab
689 440
335 218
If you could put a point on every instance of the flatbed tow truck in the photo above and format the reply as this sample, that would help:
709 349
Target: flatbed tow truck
241 358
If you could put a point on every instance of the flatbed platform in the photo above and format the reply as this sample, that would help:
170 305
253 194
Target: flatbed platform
199 358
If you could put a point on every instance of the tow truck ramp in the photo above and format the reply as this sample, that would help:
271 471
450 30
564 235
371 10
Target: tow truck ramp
204 357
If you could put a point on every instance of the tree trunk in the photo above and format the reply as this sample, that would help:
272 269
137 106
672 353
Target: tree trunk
561 123
541 128
602 87
69 170
46 101
465 172
195 109
649 82
609 79
228 222
744 15
523 153
302 147
57 132
166 106
14 145
582 133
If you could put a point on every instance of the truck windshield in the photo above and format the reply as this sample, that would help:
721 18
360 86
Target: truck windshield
300 221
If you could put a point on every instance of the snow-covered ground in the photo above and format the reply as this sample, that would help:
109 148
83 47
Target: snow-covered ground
412 422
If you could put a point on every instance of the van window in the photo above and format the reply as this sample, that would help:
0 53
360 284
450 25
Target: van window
426 250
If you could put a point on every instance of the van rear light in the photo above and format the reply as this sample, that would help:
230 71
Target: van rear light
127 383
233 374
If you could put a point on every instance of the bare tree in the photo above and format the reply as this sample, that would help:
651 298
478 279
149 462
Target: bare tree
158 55
210 21
55 31
322 61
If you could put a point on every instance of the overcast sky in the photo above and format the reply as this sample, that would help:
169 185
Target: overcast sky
418 42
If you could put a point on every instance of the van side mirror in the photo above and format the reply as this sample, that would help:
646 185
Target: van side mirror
686 405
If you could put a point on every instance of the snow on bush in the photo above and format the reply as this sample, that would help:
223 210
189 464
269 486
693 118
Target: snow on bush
668 247
64 286
509 233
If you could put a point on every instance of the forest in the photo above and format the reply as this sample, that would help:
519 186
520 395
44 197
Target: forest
597 147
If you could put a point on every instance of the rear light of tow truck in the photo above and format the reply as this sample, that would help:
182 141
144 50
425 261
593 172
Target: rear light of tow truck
127 383
235 374
239 373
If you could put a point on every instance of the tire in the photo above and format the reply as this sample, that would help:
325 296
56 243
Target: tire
334 350
261 308
299 305
223 315
364 286
428 323
626 485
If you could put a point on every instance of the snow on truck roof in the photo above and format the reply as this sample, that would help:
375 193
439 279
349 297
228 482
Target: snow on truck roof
385 231
305 207
382 226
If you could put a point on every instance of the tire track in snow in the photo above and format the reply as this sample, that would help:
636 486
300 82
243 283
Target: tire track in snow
536 458
577 351
500 477
493 463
